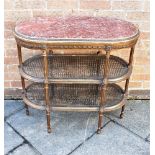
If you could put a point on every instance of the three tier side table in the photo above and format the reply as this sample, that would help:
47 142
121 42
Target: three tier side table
75 81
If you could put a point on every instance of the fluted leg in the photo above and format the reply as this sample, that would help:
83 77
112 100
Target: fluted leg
100 119
103 88
22 79
48 113
126 91
100 113
23 87
127 81
46 88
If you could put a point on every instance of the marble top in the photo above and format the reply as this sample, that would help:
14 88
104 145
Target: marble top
76 28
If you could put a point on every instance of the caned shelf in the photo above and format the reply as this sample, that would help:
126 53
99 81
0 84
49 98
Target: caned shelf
74 97
74 69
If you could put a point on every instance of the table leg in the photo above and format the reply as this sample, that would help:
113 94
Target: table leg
23 87
103 89
48 113
127 81
100 113
100 118
46 88
22 79
126 91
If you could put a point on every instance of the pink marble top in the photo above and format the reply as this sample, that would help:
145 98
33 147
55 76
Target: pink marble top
76 28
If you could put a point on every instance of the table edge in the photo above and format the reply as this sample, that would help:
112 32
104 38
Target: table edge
73 40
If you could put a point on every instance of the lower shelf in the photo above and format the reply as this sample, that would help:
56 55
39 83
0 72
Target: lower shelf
74 97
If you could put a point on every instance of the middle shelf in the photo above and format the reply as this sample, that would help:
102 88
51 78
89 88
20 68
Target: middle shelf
75 69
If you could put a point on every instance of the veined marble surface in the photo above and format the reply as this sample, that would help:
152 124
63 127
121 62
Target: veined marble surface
71 27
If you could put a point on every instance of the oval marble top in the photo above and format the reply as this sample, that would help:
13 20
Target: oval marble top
76 28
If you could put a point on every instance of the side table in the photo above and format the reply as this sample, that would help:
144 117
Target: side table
81 80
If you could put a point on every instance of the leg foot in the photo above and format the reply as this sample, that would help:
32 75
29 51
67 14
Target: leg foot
98 131
121 116
27 110
122 112
49 130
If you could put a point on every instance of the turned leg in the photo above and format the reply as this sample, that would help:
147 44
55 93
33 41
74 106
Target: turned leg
103 88
46 88
100 119
22 79
100 113
127 81
48 122
48 113
23 86
126 91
